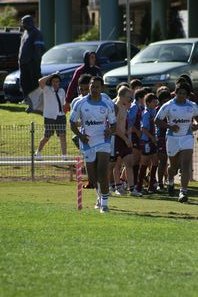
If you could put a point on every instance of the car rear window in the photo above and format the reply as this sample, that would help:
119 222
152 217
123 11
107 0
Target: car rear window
67 54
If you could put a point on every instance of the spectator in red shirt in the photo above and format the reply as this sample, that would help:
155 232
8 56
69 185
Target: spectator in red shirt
89 67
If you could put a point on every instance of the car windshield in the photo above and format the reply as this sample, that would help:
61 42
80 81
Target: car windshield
177 52
63 54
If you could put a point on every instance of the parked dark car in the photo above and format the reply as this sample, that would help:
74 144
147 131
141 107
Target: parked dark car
9 47
160 63
66 57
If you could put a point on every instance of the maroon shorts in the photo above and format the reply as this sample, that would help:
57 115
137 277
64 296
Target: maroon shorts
148 148
121 149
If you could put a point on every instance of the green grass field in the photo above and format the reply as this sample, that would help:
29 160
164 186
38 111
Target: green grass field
142 247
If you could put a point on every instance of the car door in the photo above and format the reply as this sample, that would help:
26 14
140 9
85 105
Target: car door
194 68
112 55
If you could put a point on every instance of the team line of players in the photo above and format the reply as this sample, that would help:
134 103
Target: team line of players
138 130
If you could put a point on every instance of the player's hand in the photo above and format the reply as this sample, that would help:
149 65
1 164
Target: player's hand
174 128
107 133
84 138
128 142
66 107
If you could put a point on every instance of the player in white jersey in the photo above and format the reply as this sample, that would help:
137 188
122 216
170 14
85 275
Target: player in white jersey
98 121
179 113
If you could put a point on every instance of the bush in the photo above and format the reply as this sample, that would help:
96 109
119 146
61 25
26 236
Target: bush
92 34
8 17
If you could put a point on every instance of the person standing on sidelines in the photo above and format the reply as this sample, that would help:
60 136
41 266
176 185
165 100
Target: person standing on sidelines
30 53
54 116
89 67
180 113
98 121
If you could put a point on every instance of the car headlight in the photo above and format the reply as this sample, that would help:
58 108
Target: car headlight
111 80
10 80
158 77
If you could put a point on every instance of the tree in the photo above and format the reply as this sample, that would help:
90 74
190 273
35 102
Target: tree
92 34
175 27
8 17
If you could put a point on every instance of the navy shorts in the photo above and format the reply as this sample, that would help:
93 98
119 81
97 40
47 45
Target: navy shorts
135 141
58 125
148 148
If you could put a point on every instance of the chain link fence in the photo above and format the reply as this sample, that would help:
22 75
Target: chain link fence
18 144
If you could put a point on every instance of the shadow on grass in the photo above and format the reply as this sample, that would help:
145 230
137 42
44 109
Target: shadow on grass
172 199
14 108
155 214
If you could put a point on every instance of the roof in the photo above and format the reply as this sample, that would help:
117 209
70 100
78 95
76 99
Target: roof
17 1
177 40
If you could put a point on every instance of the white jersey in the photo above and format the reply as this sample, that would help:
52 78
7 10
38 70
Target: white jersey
180 115
95 117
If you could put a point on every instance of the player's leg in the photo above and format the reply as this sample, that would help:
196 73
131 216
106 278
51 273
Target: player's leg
185 158
129 162
162 167
172 171
153 170
60 127
102 163
49 131
62 138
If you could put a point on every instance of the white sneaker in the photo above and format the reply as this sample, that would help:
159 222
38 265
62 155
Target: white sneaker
37 156
98 204
183 196
136 193
120 192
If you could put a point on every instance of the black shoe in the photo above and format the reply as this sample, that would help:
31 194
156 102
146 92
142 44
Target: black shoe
171 190
182 197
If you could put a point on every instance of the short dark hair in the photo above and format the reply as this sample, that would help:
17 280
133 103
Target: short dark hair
187 80
148 90
135 83
140 93
49 82
183 86
84 79
150 97
123 83
97 78
164 95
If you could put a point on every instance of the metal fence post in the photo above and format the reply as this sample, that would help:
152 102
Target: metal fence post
32 152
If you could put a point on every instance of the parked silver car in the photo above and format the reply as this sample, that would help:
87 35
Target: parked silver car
66 57
160 63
